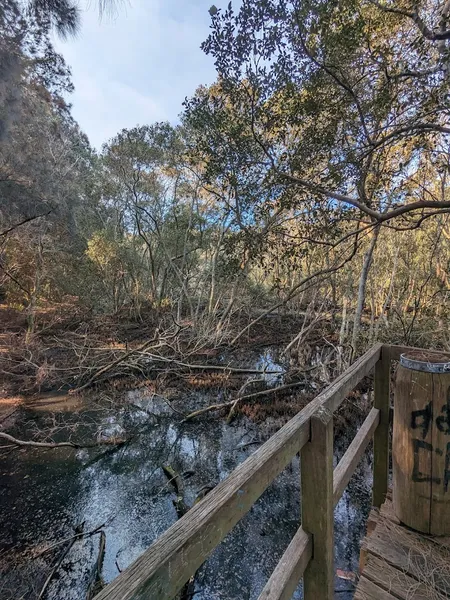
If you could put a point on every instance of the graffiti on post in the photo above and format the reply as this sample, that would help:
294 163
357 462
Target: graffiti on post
422 420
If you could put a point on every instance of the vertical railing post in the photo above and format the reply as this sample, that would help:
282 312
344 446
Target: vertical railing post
317 506
381 435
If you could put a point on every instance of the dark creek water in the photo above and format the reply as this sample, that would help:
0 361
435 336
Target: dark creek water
45 494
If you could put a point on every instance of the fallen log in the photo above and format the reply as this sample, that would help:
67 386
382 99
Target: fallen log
233 403
182 508
176 480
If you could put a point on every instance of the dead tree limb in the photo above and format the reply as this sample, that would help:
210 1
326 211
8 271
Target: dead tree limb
75 537
182 508
26 443
238 397
116 362
27 220
198 367
56 567
176 480
232 403
96 582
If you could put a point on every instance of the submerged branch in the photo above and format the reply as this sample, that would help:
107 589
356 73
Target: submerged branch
76 536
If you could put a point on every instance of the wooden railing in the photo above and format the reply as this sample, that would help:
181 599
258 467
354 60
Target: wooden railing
161 571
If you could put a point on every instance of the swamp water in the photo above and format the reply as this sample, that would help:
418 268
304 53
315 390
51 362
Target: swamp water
45 494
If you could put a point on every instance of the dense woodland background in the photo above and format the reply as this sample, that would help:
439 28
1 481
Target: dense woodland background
312 177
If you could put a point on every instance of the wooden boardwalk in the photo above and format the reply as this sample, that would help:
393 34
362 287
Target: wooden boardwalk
398 563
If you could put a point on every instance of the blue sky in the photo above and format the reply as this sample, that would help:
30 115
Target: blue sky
137 66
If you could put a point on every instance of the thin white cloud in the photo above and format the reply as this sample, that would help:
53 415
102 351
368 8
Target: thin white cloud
139 66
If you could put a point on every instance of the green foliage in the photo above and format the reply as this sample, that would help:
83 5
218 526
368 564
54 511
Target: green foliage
327 125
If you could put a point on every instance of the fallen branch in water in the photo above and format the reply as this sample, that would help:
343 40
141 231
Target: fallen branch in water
177 482
96 583
57 565
238 398
232 403
26 443
198 367
182 508
80 534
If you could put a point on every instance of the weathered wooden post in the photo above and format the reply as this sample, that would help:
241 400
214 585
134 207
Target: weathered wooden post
316 461
421 442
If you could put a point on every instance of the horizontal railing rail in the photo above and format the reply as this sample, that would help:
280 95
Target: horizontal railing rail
162 570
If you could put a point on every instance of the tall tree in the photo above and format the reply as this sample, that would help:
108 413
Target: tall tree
347 103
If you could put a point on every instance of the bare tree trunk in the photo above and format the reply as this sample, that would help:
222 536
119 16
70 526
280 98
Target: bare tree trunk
344 321
362 288
212 292
388 299
31 308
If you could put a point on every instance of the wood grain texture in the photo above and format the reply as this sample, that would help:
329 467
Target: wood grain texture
400 562
352 456
412 553
421 450
369 591
381 436
411 457
316 462
440 440
287 574
395 351
395 581
162 570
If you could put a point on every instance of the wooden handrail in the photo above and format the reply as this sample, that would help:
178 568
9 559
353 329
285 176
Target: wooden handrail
351 458
291 566
161 571
288 572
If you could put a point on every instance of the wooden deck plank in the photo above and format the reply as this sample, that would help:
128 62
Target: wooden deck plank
412 553
394 581
369 591
400 562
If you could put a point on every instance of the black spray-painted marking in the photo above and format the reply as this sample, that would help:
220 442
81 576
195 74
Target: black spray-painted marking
420 477
447 468
443 422
422 419
417 475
